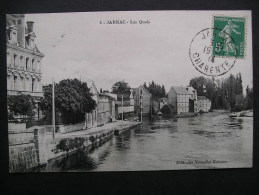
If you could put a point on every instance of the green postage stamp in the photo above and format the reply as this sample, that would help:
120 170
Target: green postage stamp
229 37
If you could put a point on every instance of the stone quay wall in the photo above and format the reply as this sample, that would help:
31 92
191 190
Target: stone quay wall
26 147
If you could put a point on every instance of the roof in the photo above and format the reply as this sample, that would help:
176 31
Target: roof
181 90
90 84
113 95
202 98
142 88
184 90
106 95
126 96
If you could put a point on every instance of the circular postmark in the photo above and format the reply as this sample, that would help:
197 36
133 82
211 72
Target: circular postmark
207 56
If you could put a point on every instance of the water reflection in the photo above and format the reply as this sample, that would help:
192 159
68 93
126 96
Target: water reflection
123 140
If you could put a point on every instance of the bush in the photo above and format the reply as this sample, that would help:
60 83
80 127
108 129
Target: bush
71 144
201 112
167 110
92 139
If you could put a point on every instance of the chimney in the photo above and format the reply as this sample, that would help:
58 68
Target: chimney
30 26
21 30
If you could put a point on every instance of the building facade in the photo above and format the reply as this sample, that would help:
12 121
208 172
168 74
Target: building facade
105 109
91 117
23 58
203 104
181 98
162 102
142 101
125 107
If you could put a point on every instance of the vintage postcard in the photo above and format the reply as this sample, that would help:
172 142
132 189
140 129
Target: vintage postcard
129 91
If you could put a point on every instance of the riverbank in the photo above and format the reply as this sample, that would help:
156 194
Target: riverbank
245 113
186 115
65 143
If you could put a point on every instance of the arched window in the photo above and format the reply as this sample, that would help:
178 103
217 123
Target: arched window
21 62
27 64
15 61
15 83
38 66
33 65
22 83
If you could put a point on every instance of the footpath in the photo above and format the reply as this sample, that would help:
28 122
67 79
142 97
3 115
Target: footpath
116 125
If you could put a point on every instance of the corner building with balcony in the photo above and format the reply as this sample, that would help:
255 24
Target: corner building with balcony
23 58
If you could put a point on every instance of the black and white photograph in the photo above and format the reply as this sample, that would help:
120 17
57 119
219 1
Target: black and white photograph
129 91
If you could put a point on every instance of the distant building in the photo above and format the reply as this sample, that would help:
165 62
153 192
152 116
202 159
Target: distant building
162 102
203 104
91 117
142 100
128 106
183 99
23 58
114 95
105 109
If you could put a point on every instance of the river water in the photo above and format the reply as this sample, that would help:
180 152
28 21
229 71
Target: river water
210 140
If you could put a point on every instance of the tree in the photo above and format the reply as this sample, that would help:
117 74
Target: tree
72 99
145 85
21 105
249 98
156 90
121 87
225 93
200 84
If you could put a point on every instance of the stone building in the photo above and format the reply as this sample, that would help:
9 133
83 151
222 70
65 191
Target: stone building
203 104
162 102
23 58
142 100
105 109
128 106
91 118
183 99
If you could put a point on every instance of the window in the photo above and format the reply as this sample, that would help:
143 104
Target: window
38 66
22 84
27 64
21 62
15 60
15 82
33 65
32 84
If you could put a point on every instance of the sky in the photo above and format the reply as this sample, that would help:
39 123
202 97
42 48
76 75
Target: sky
76 44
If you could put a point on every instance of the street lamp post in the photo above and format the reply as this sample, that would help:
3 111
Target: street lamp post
53 108
140 104
122 111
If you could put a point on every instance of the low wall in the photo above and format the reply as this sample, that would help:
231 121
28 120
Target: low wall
20 137
70 128
26 147
16 126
